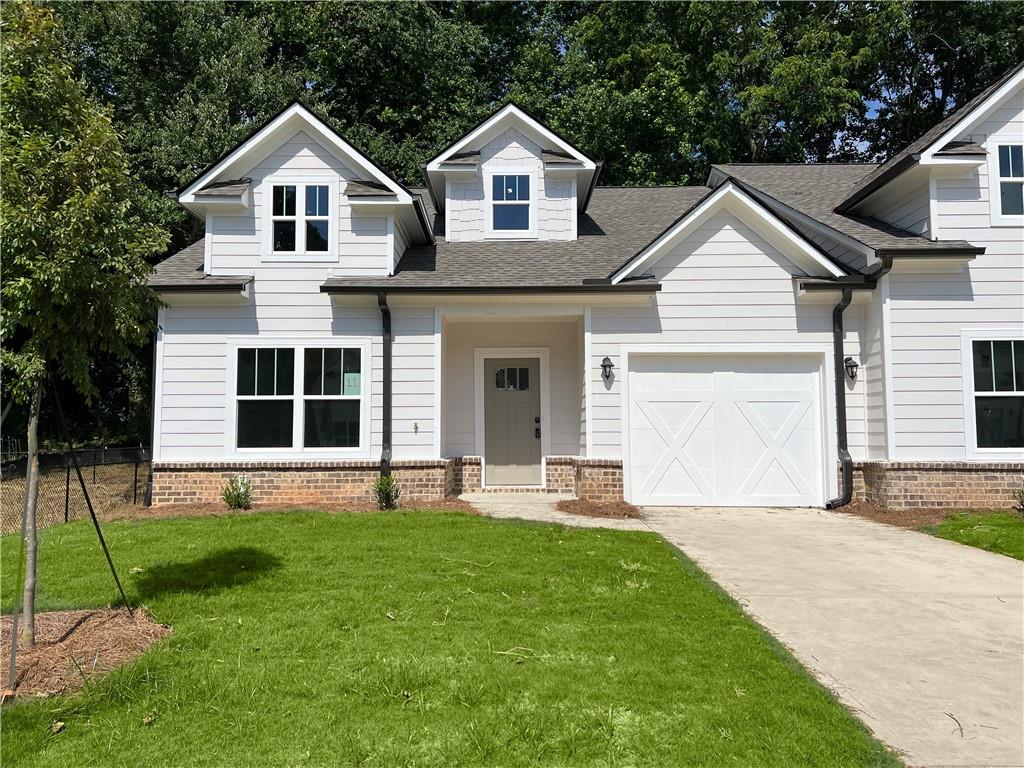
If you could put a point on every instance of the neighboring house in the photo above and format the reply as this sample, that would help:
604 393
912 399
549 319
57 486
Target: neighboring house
514 324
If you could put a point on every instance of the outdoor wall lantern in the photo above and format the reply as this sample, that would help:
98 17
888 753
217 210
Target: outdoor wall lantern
851 368
606 369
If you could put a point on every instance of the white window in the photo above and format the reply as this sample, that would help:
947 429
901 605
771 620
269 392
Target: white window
320 406
998 368
1010 165
300 221
512 211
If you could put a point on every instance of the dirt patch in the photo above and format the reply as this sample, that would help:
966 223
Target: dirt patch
218 509
904 518
73 647
619 509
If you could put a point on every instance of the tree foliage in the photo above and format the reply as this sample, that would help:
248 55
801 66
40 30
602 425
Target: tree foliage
75 247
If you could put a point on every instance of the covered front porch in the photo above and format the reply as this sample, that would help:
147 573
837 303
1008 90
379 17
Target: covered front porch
513 397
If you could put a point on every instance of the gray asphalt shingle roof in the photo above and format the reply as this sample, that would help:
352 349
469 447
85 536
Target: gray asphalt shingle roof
619 223
815 190
185 270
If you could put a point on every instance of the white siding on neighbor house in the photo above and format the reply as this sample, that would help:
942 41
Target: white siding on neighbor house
725 284
929 310
904 203
563 339
193 401
512 151
237 242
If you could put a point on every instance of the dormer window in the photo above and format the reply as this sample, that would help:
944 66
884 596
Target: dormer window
1011 179
300 219
512 210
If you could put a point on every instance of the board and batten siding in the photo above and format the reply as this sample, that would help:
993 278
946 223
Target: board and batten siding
929 310
236 242
563 340
724 284
194 358
513 152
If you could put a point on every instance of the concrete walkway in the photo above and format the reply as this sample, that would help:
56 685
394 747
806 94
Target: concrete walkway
922 638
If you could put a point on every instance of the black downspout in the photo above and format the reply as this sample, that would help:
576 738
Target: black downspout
840 375
385 318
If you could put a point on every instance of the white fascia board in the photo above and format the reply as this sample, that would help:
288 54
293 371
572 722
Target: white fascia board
509 114
732 198
321 130
971 119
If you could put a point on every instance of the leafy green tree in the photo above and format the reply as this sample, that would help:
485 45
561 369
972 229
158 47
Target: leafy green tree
75 247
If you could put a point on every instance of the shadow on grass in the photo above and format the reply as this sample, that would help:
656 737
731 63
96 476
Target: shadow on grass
222 569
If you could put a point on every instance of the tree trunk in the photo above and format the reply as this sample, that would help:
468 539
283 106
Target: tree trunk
28 628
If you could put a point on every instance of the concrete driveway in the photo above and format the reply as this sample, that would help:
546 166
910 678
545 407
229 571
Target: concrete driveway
922 638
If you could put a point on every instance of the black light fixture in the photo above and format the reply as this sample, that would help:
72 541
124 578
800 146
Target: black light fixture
606 369
851 368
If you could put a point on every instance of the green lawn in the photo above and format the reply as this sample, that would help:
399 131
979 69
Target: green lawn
1001 532
421 639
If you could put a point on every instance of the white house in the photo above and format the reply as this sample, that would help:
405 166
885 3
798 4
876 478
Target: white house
784 335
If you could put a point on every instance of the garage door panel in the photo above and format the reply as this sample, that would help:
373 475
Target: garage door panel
750 436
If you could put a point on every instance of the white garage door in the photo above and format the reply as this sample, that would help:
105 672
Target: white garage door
710 430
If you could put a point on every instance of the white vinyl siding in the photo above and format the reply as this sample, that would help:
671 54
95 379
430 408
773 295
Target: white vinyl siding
237 242
872 373
564 341
512 152
929 310
904 203
194 360
724 284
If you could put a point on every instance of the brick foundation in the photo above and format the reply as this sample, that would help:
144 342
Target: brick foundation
293 482
894 485
943 485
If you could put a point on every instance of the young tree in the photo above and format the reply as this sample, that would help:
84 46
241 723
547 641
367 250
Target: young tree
74 247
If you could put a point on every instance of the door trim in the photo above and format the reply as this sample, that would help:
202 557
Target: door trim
821 351
541 354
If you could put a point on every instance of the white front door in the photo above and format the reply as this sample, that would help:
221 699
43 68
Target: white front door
512 424
717 430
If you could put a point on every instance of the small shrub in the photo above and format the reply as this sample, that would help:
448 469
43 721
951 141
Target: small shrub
1019 506
386 489
237 492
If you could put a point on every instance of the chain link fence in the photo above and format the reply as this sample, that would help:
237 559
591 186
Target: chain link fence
115 477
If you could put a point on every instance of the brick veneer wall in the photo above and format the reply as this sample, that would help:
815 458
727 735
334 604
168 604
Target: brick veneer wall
293 482
945 485
599 480
560 474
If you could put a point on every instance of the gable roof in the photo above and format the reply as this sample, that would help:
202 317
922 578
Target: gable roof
733 198
815 190
464 153
937 134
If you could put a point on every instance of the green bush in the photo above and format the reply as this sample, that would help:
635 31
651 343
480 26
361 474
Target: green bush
386 489
237 492
1019 506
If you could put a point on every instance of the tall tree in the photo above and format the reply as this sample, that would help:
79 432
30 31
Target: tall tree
75 247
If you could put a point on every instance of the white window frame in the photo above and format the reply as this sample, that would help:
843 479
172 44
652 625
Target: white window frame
300 253
489 203
999 219
297 450
967 338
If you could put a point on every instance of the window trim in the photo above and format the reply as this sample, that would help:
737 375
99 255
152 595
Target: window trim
267 212
298 397
999 219
967 338
489 203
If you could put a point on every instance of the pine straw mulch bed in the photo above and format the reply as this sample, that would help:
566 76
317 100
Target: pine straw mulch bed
619 509
903 518
73 647
218 509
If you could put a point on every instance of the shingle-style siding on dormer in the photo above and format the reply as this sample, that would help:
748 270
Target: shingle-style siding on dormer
513 151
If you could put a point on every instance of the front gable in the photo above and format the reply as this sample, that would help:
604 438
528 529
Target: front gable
729 200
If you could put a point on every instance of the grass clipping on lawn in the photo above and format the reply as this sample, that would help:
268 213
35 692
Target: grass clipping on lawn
74 647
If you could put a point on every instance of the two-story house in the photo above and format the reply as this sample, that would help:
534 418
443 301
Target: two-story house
784 335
